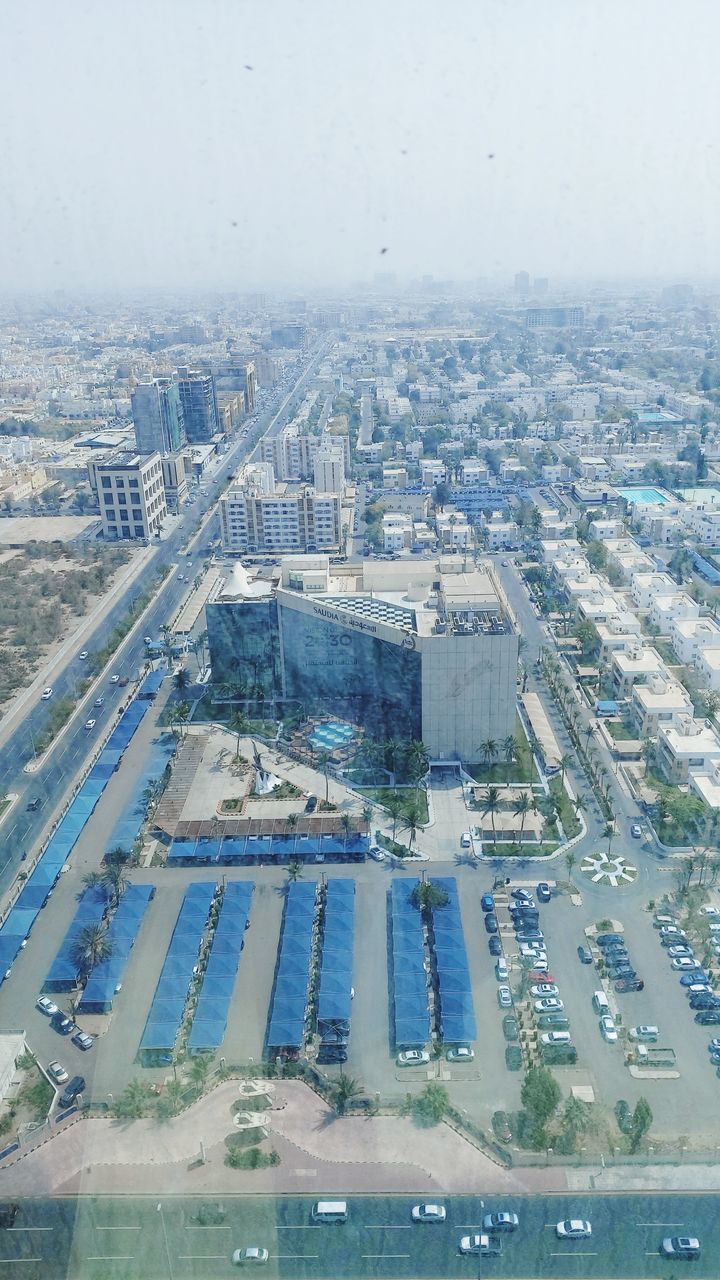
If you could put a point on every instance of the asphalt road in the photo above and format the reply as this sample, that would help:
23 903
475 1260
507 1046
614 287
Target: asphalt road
165 1239
22 829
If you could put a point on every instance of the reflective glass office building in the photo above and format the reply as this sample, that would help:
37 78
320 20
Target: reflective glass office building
432 658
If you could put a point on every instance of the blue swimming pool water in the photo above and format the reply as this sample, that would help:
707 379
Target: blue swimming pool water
332 734
644 497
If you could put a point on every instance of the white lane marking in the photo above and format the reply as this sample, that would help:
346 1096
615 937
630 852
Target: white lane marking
31 1228
110 1257
386 1226
118 1228
195 1257
659 1224
291 1226
576 1253
309 1256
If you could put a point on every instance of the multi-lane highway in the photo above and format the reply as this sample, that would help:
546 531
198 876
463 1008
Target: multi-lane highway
163 1237
22 828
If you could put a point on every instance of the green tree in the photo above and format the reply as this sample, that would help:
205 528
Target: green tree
489 749
172 1099
345 1090
91 947
324 763
540 1094
395 806
570 861
113 878
510 748
431 1105
565 761
412 818
641 1122
491 804
295 870
132 1103
429 896
181 679
523 805
238 724
346 824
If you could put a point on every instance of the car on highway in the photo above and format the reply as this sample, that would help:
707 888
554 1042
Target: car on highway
461 1053
83 655
83 1040
90 724
549 1004
115 679
46 1006
253 1255
495 946
636 831
573 1229
584 955
57 1072
500 1221
99 702
123 681
608 1029
46 693
481 1244
545 989
413 1058
501 1126
504 997
428 1213
686 1247
491 924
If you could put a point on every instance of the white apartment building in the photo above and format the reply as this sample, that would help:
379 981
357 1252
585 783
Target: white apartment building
432 472
602 529
397 529
453 530
131 495
636 664
254 519
395 477
703 524
502 535
690 635
645 586
329 469
665 609
661 700
707 661
566 549
687 746
475 474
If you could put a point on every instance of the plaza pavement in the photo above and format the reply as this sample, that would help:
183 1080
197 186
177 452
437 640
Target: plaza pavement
318 1151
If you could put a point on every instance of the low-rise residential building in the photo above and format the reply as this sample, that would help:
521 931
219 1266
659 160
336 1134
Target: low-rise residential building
686 746
664 610
553 549
395 477
707 661
603 529
705 783
689 635
397 528
636 664
432 472
660 700
502 535
644 587
453 530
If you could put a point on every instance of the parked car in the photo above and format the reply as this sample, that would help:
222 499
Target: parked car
413 1058
311 805
678 949
461 1053
625 985
545 989
513 1057
504 996
636 831
584 955
683 962
556 1037
573 1229
553 1022
610 940
480 1244
331 1055
72 1091
465 840
544 892
61 1023
550 1004
708 1017
644 1032
57 1072
83 1040
250 1256
46 1006
491 923
608 1029
428 1213
495 946
510 1027
376 853
520 894
501 969
487 902
501 1126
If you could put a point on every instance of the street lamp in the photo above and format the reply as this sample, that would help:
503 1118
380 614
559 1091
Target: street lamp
167 1246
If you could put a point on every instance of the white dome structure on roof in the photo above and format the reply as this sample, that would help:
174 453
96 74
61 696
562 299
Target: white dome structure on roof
240 586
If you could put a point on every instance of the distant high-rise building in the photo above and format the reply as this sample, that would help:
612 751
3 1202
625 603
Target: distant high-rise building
199 404
555 318
541 284
292 334
522 282
158 416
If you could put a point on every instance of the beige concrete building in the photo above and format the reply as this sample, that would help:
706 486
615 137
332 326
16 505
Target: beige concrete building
131 494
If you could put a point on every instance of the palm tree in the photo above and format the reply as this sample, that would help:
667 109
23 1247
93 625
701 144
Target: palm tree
132 1103
509 746
182 715
570 861
367 814
295 870
413 815
395 806
565 761
429 896
324 763
181 679
491 803
93 880
199 1071
345 1090
489 749
91 946
522 808
346 824
172 1100
238 724
116 855
114 879
609 832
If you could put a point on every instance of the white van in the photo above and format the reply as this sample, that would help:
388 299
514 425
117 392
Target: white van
600 1002
501 969
330 1211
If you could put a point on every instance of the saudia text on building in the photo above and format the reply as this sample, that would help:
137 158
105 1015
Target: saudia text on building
345 619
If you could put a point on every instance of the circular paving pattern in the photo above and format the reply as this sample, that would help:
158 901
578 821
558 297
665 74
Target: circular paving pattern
614 871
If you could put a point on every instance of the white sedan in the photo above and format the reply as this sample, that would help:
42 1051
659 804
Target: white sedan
429 1213
545 989
504 995
573 1229
413 1058
89 724
48 1007
463 1053
46 693
608 1028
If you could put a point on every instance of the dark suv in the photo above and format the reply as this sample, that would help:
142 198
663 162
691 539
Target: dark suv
72 1089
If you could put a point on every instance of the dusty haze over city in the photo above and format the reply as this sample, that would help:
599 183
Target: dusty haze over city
242 145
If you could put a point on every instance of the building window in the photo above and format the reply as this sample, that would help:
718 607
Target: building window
106 482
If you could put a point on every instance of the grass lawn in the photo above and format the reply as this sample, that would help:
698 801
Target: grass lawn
381 794
619 731
570 823
520 770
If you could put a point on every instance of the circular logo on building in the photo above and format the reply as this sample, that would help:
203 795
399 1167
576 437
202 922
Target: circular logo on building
408 642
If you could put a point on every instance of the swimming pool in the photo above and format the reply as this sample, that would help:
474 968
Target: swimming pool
644 497
335 733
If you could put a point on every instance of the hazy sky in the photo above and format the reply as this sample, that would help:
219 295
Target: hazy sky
138 149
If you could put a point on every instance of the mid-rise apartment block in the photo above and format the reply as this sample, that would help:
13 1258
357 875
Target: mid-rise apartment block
158 416
257 515
131 494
